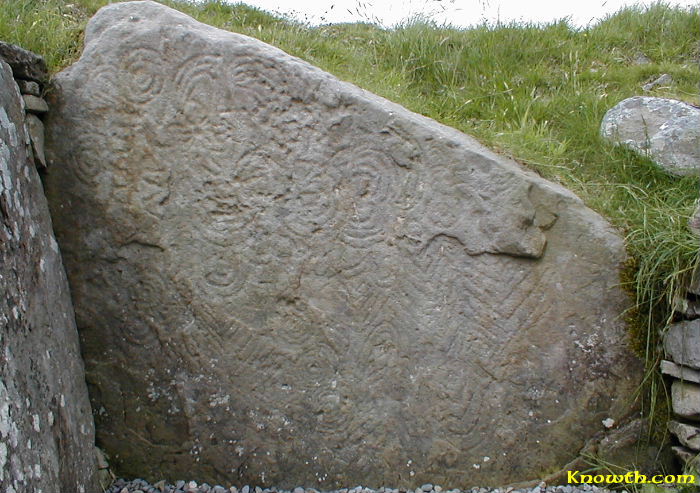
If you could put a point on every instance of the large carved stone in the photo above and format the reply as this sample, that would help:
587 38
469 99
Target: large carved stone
283 279
47 436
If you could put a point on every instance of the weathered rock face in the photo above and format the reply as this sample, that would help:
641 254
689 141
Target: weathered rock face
46 429
24 64
682 343
665 129
282 279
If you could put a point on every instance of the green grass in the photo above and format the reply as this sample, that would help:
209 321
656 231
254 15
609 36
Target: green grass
536 93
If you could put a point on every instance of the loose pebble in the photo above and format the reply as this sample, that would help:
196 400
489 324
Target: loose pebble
141 486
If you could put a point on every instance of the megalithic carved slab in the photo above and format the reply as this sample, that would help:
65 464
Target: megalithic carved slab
283 279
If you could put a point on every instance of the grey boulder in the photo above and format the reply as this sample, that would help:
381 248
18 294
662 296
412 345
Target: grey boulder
46 429
666 130
282 279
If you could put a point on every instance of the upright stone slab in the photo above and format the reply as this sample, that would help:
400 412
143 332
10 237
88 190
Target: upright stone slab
282 279
47 438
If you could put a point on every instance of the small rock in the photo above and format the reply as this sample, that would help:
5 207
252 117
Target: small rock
682 343
179 485
28 87
101 459
258 489
24 63
688 457
608 423
694 221
680 372
296 490
640 59
219 489
663 80
33 104
685 398
689 308
688 435
427 487
36 134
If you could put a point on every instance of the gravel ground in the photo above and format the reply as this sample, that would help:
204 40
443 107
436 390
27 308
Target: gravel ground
141 486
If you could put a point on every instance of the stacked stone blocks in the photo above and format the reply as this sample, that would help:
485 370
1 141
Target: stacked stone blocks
682 346
30 74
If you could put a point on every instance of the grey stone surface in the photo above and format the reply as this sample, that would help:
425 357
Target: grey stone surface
662 80
688 457
689 308
688 435
694 286
28 87
283 279
24 63
641 59
35 105
682 343
685 398
680 372
46 427
665 129
36 134
694 221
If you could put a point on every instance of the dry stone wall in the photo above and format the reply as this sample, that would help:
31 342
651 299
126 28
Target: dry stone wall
682 347
668 131
46 426
281 279
681 344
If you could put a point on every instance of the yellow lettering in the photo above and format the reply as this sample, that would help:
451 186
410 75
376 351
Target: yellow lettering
614 478
639 478
571 477
685 479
